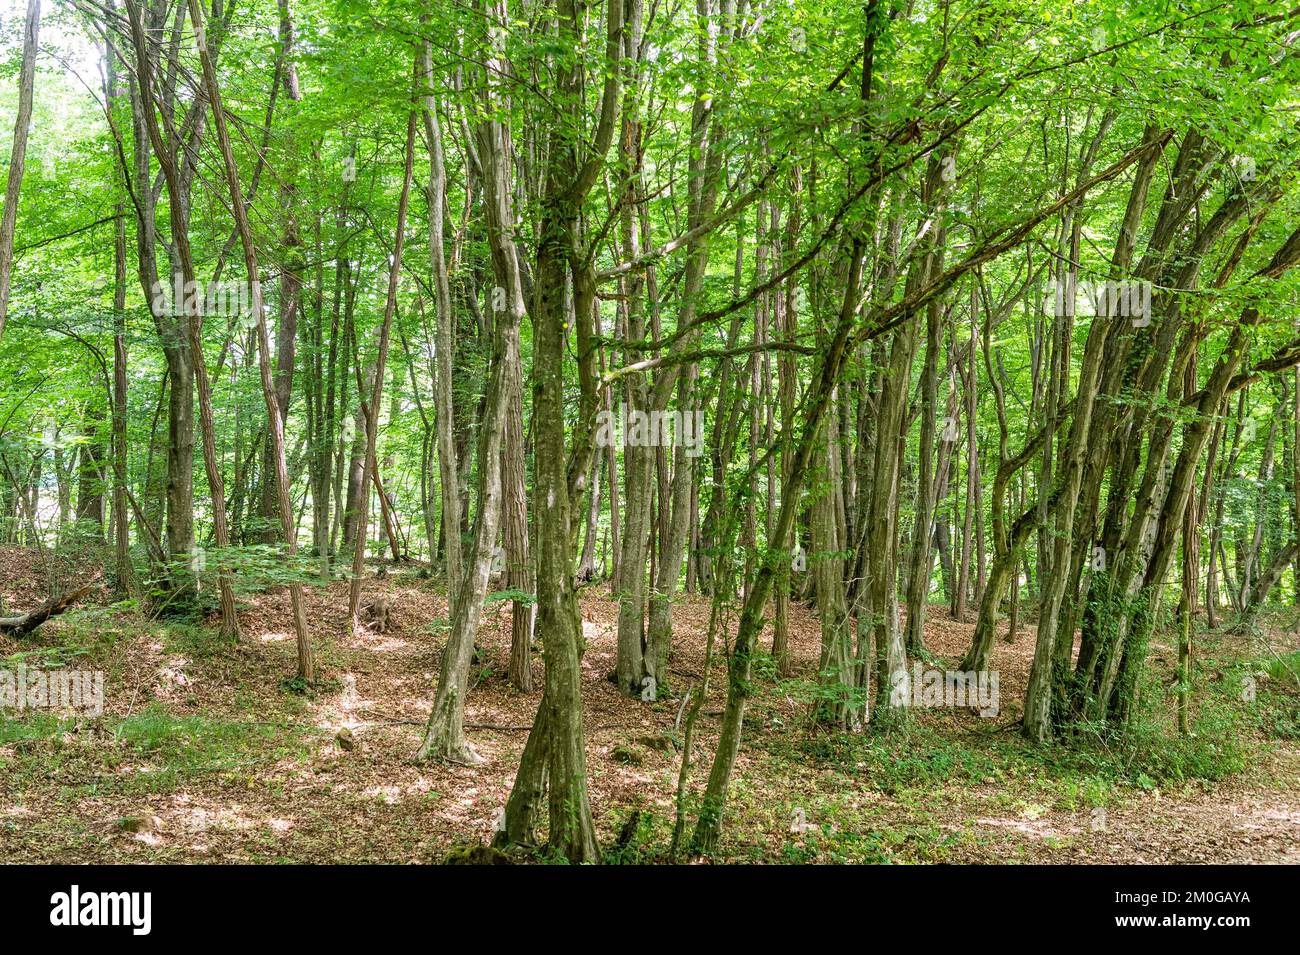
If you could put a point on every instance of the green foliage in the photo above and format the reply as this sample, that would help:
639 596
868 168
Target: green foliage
497 596
32 726
894 762
1284 668
181 747
811 156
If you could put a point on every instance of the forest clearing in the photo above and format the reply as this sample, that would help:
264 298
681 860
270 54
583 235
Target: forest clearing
649 432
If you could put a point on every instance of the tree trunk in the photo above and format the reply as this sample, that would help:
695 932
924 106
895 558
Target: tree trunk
372 406
274 409
18 153
180 515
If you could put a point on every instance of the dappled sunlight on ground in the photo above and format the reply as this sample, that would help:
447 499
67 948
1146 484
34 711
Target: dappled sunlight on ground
234 765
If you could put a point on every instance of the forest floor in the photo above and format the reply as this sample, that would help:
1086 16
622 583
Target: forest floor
208 753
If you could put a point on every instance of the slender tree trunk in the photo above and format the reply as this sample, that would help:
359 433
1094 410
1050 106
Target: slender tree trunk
920 564
444 405
290 286
18 153
372 406
274 410
569 178
121 527
192 322
444 736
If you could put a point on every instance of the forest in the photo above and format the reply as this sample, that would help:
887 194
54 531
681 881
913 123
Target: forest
644 431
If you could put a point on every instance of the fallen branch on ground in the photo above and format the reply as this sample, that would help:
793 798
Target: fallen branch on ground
24 624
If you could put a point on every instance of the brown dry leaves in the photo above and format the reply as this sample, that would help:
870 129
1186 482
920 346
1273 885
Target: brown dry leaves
354 794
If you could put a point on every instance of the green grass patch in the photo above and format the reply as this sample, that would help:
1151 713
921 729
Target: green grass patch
150 752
